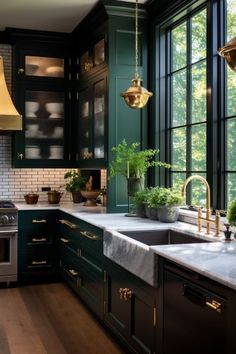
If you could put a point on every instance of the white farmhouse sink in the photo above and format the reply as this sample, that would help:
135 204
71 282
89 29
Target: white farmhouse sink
130 249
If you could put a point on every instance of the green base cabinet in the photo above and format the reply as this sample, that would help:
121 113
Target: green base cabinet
37 245
81 260
197 315
130 309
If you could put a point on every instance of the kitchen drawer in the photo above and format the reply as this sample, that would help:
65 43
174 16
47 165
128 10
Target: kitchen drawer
91 239
70 272
36 219
69 226
91 288
37 259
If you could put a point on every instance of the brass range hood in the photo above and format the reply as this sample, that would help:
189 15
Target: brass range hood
10 119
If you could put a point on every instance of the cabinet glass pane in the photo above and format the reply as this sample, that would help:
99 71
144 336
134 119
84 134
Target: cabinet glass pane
84 125
99 119
44 125
99 52
199 147
44 66
85 63
230 144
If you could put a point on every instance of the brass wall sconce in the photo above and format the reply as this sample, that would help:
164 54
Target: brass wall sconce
228 52
136 96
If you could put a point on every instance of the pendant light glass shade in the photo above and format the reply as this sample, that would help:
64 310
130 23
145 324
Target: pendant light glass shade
228 52
10 119
136 96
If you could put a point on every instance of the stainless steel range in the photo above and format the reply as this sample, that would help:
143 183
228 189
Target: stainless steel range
8 241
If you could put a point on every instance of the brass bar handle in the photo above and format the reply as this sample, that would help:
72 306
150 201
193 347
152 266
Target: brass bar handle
68 223
73 272
42 239
215 305
36 221
128 294
89 235
121 291
39 262
64 240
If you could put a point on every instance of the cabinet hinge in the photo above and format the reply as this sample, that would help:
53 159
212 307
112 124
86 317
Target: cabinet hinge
104 276
104 307
154 316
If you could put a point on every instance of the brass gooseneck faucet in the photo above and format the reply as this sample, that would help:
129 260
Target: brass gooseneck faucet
207 219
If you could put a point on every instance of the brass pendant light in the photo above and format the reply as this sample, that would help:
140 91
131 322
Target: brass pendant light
136 96
228 52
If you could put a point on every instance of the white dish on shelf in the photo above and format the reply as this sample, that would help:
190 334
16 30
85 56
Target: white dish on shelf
56 71
56 152
58 132
55 109
32 152
30 69
31 108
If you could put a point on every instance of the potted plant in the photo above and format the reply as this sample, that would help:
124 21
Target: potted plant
231 213
140 200
133 164
167 203
75 183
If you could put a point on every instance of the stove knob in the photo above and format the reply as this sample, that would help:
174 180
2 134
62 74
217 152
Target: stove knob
4 219
11 219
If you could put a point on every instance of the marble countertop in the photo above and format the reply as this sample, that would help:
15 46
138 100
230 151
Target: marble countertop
216 260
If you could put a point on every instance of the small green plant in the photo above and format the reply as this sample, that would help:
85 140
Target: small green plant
140 197
131 162
231 213
159 196
75 181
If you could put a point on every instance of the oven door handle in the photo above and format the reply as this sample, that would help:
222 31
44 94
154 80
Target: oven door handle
8 232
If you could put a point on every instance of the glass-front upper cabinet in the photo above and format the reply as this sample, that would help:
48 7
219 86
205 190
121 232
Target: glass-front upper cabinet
42 96
92 58
44 125
91 121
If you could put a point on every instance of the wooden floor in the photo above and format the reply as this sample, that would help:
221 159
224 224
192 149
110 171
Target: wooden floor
49 319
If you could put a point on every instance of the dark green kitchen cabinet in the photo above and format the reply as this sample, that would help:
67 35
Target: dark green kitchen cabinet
91 121
37 245
42 92
130 309
81 260
197 315
114 24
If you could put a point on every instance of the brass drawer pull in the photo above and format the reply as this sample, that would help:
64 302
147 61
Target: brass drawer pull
42 239
68 223
89 235
215 305
39 262
73 272
64 240
125 293
42 221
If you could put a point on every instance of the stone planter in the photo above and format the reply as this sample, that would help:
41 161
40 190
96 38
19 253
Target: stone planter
151 213
141 210
167 213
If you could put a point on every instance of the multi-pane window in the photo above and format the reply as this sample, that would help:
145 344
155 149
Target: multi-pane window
197 123
187 100
230 108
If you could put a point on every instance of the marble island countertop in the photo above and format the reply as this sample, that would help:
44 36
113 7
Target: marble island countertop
215 260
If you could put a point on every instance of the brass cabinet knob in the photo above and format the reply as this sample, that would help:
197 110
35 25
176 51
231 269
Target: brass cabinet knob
20 71
125 294
20 156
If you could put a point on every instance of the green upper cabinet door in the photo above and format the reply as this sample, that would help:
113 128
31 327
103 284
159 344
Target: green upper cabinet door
42 96
91 121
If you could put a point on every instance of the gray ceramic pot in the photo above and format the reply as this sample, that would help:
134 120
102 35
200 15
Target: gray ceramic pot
167 213
151 213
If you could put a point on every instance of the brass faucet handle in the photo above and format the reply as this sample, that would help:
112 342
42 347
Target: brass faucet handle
199 219
217 222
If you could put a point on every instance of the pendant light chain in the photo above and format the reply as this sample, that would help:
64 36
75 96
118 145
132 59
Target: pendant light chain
136 40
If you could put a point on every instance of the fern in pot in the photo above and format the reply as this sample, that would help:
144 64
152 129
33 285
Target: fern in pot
133 164
140 201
